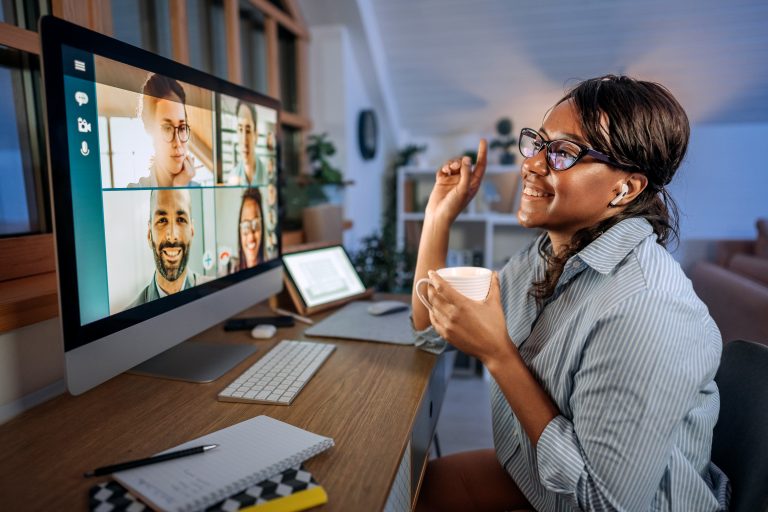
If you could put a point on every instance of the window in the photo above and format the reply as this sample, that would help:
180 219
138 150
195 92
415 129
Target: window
23 208
288 80
291 151
253 49
207 36
23 14
143 23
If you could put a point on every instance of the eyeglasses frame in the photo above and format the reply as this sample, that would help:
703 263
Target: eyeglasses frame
584 151
249 226
177 132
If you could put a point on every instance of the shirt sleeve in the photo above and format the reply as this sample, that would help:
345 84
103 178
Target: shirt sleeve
428 340
644 363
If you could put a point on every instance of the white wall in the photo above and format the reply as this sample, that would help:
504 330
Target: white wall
338 93
721 187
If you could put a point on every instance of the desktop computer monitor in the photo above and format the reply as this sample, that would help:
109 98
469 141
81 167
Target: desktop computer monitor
165 198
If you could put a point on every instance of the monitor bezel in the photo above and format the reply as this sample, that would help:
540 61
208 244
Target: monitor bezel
56 33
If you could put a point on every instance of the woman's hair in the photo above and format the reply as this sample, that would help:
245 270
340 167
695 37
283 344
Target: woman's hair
159 87
250 194
643 127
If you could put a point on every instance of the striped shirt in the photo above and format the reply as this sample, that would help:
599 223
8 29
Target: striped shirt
628 353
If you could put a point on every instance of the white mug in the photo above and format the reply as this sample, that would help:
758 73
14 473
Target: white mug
472 282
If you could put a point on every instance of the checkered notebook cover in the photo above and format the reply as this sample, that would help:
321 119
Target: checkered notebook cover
293 489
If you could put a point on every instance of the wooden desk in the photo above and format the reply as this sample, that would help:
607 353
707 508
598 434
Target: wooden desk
373 399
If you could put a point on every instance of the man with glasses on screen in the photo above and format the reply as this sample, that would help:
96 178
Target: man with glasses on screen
170 237
164 114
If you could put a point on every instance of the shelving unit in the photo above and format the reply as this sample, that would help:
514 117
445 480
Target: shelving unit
486 233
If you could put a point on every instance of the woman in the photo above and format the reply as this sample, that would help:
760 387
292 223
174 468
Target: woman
251 233
164 115
602 358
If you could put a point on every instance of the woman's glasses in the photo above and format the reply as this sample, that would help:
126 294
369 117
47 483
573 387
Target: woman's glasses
253 225
169 132
561 154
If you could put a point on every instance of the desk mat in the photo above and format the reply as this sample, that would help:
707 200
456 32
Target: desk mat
354 322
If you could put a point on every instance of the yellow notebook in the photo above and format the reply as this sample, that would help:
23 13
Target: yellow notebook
300 500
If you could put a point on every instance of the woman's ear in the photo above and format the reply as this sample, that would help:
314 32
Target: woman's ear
629 188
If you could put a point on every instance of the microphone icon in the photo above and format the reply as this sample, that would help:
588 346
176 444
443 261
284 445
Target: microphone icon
84 149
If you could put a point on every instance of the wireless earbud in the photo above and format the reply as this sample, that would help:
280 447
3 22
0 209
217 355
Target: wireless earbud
620 195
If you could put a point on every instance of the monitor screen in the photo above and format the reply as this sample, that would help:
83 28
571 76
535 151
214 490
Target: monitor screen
173 185
165 184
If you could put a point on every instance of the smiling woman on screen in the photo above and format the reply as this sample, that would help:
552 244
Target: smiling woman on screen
601 356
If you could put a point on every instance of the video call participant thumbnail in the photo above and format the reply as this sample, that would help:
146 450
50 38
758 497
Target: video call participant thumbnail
249 170
164 115
170 234
251 237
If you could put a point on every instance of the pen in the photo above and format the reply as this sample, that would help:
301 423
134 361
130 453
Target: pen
149 460
294 315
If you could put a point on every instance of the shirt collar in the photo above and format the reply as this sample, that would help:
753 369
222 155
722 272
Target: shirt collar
604 253
161 293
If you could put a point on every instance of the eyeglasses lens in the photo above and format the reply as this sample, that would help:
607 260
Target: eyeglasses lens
250 225
530 143
562 154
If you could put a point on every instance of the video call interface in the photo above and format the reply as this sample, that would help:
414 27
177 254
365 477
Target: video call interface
184 179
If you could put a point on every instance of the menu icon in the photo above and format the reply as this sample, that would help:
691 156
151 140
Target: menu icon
79 65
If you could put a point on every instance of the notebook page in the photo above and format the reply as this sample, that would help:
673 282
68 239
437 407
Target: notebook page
248 453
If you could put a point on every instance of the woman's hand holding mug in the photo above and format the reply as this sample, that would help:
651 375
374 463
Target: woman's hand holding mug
476 326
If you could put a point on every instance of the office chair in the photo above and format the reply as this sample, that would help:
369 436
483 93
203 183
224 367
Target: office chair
740 440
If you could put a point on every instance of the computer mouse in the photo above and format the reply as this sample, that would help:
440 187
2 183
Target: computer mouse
263 331
384 307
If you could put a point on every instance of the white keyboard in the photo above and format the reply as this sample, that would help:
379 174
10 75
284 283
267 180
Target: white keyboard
279 375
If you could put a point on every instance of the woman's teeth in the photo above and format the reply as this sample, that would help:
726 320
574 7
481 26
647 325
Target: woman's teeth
535 193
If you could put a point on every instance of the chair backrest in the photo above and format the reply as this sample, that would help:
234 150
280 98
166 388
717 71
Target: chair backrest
740 441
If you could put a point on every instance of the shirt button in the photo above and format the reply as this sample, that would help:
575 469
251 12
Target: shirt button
576 264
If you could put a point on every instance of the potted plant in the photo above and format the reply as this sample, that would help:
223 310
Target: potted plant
409 155
506 142
319 149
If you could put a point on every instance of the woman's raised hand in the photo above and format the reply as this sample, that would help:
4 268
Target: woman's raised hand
456 184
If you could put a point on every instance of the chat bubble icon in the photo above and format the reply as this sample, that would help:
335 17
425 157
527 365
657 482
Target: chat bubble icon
81 98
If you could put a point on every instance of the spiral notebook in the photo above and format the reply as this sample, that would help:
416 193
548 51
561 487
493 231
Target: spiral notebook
248 452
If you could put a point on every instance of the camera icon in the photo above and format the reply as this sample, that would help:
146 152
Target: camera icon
83 126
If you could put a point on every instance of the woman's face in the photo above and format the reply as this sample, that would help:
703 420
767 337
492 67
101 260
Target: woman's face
250 231
563 202
169 116
246 133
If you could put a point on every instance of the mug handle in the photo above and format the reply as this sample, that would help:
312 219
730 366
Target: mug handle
423 298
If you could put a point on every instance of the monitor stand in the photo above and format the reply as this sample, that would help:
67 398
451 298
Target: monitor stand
195 361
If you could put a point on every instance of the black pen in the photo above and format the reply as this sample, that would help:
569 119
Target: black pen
149 460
